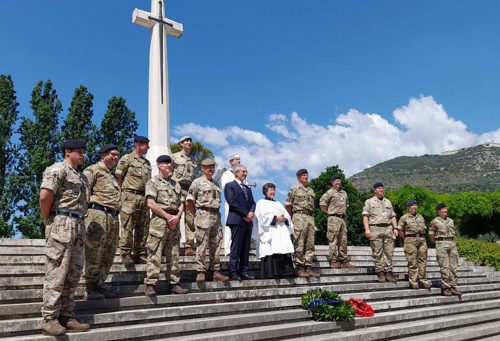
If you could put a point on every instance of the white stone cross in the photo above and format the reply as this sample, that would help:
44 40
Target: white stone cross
158 101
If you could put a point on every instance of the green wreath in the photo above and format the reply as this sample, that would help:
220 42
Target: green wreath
325 305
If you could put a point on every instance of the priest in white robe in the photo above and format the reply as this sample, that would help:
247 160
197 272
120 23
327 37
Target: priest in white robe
271 230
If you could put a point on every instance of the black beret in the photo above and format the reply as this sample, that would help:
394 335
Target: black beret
440 206
301 171
141 139
411 202
164 159
378 184
107 147
72 144
335 177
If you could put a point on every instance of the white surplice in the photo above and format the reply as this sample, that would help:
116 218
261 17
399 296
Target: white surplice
271 239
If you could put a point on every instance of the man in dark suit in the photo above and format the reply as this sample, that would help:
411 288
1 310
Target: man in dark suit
241 211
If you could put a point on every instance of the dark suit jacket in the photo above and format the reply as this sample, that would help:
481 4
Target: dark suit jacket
239 206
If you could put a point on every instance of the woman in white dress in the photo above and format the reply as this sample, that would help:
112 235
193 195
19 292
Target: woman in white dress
272 230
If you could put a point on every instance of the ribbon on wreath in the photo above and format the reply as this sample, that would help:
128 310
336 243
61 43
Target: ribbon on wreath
314 303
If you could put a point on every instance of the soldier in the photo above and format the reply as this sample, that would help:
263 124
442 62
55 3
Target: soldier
411 228
101 223
133 171
334 203
442 232
63 202
203 201
300 205
165 199
380 225
184 166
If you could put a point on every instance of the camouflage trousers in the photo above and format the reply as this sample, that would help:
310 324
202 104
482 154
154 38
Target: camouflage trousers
189 227
162 241
382 245
337 239
134 225
64 259
209 237
447 257
304 232
416 254
100 247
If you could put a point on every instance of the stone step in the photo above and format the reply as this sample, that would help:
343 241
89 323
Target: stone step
464 333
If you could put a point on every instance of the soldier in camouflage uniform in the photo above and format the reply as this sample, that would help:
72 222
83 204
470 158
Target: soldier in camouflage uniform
166 200
334 203
184 166
101 223
411 228
203 201
379 220
64 194
133 172
300 205
442 232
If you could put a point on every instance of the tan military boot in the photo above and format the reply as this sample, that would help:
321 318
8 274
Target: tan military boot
347 265
302 272
334 265
53 328
73 325
189 251
454 291
389 277
127 260
150 290
381 277
424 285
106 292
92 293
446 291
311 273
219 277
178 290
200 278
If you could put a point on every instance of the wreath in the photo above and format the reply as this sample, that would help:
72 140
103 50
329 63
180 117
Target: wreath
361 308
325 305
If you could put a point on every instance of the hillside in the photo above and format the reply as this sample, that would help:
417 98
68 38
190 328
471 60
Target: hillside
469 169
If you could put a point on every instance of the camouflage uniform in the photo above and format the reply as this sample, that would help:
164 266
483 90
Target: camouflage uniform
301 199
64 234
415 247
380 213
205 195
101 223
184 168
162 240
134 214
337 203
446 250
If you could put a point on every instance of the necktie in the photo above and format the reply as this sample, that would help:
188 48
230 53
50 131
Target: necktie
245 190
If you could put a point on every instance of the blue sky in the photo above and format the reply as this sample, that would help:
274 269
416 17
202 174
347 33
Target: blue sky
287 84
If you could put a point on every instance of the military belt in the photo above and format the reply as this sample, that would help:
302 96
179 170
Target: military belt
445 238
418 235
308 212
172 212
337 215
380 225
68 213
130 190
109 210
209 209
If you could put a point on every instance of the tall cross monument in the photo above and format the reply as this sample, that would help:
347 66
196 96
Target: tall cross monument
158 102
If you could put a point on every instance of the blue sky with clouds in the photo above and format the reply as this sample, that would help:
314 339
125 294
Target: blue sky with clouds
287 84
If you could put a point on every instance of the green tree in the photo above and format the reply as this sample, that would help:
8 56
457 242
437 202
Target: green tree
320 185
78 123
8 155
198 151
39 142
118 125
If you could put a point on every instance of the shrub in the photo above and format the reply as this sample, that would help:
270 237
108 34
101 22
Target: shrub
479 252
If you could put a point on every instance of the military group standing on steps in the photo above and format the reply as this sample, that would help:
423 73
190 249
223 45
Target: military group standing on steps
89 215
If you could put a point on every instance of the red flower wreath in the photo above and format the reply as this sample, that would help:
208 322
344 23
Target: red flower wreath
361 308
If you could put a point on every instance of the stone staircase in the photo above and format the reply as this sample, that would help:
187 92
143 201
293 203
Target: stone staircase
255 309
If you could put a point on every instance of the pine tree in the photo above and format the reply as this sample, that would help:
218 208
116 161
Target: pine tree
78 123
118 125
8 157
39 143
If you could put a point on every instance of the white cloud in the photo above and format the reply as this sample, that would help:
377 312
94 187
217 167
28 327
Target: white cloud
354 142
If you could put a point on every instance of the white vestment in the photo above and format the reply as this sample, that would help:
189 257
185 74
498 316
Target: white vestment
226 178
271 239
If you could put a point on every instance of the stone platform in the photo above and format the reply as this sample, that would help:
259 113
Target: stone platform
255 309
